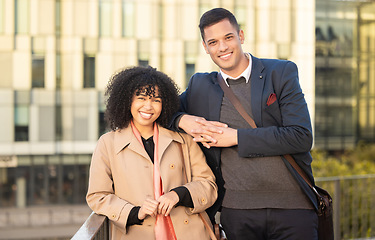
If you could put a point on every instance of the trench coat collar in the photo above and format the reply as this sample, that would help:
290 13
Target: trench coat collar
126 138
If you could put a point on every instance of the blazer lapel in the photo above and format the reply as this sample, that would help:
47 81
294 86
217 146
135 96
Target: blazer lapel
258 75
215 96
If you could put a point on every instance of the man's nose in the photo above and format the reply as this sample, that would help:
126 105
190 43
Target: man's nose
222 46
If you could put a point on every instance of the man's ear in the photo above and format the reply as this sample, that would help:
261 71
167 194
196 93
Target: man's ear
242 36
205 46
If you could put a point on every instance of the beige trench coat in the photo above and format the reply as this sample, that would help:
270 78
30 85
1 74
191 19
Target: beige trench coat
121 177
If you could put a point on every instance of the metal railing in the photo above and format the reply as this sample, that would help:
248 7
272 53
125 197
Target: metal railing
96 227
353 216
353 204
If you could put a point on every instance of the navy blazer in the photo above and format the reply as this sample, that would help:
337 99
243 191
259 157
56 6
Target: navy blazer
284 127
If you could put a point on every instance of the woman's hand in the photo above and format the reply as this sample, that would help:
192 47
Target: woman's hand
148 208
167 202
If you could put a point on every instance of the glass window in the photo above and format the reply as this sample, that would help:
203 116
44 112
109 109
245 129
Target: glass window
54 179
335 124
22 16
21 122
101 106
89 71
58 70
58 17
68 183
53 191
82 183
105 18
143 63
102 123
8 187
58 122
37 77
128 18
189 71
39 181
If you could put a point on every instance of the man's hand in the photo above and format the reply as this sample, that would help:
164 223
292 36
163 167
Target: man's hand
148 208
226 139
201 129
167 202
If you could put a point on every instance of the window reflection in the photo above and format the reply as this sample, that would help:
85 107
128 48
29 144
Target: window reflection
37 71
105 16
22 16
89 71
8 187
344 73
128 18
41 180
21 122
68 183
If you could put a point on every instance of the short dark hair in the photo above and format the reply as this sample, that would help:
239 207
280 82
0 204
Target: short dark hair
216 15
135 80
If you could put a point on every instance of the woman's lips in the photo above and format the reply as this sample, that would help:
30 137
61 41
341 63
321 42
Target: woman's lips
145 115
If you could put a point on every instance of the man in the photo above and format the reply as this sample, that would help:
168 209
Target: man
264 197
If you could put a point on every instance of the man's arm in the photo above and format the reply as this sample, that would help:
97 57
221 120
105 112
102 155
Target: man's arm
294 135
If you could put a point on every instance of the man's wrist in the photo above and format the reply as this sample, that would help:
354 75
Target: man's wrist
178 119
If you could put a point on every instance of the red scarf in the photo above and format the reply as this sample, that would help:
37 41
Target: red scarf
163 226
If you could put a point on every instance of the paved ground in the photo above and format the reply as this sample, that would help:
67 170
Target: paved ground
51 222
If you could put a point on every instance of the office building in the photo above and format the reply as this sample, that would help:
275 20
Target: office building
345 73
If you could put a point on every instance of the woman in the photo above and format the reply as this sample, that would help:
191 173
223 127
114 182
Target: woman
137 174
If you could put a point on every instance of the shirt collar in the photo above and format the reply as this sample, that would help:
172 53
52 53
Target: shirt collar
245 74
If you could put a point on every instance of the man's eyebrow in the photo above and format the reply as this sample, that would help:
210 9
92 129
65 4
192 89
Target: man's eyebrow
226 35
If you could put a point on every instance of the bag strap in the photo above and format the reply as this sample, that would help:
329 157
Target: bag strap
206 225
237 104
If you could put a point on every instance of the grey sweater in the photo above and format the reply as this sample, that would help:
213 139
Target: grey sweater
253 183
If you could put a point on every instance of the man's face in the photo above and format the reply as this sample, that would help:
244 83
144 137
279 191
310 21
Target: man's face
223 43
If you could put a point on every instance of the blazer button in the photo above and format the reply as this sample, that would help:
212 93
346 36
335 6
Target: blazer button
113 215
171 166
204 201
186 221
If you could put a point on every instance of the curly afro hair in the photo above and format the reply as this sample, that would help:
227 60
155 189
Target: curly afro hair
135 80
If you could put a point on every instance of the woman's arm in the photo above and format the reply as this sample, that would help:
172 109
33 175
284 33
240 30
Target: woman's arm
100 196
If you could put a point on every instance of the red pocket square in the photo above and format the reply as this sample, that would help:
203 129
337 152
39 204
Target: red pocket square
271 99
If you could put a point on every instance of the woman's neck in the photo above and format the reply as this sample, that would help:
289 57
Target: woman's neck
146 132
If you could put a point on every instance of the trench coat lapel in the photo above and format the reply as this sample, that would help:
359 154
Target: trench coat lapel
258 75
165 139
126 138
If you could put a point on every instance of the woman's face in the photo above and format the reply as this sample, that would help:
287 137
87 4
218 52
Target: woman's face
145 109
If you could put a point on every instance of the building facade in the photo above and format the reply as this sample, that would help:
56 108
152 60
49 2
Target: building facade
345 73
56 57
